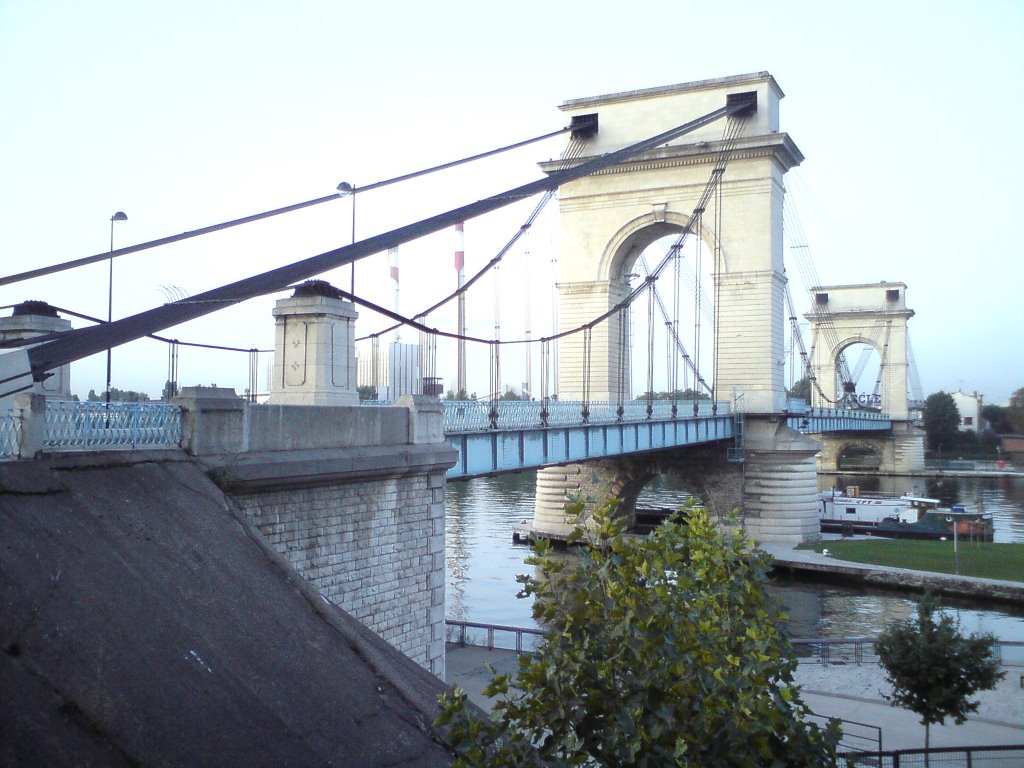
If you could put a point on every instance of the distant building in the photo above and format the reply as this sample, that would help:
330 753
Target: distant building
392 371
969 406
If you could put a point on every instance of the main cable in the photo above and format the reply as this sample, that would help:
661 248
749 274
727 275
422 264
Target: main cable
10 279
74 345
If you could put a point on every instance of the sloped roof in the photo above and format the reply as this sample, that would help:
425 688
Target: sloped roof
144 622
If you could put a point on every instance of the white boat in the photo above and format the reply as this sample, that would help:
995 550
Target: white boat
901 517
850 512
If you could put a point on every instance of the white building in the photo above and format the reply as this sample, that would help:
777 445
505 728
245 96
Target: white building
393 371
969 406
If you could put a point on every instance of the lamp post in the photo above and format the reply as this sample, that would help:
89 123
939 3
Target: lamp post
956 548
348 190
119 216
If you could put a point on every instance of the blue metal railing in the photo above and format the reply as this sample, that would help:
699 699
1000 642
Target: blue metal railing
477 415
74 425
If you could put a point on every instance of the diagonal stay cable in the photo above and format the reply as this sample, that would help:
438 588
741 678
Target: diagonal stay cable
74 345
16 278
573 150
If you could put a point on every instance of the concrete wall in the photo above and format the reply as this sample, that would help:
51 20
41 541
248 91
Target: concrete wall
353 497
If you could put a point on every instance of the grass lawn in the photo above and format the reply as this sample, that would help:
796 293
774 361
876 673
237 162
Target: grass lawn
985 560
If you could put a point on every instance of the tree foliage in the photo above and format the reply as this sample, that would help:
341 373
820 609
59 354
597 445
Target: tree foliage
801 390
678 394
941 421
933 668
997 419
366 392
661 651
118 395
1015 411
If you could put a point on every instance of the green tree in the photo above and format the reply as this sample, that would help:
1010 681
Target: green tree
801 390
119 395
997 419
933 668
679 394
367 392
661 651
941 421
1015 411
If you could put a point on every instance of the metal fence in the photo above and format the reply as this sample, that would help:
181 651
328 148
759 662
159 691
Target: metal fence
10 434
847 650
861 650
492 636
73 425
478 415
1008 756
856 737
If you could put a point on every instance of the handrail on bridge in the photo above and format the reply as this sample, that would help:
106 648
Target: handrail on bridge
481 415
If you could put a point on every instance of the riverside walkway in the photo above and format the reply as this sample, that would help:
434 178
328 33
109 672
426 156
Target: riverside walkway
852 692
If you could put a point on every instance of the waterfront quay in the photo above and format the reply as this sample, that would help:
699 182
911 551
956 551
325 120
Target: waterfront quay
809 563
850 691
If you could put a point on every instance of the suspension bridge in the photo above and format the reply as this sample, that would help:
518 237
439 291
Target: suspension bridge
671 282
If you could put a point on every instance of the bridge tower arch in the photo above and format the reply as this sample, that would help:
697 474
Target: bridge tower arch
875 314
606 220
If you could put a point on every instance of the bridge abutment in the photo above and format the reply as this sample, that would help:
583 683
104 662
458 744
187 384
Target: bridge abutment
352 497
774 490
780 487
899 452
717 483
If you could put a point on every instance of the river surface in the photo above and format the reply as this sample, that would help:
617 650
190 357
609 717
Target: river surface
482 561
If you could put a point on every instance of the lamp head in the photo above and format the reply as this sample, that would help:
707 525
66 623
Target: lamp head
119 216
345 189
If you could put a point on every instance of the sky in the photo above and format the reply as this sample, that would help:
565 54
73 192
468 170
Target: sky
191 113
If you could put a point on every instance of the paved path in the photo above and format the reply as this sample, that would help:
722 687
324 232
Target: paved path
850 692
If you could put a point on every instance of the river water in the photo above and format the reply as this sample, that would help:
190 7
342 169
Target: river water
482 561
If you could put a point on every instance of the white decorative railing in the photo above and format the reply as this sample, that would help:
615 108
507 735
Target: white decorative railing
81 425
10 435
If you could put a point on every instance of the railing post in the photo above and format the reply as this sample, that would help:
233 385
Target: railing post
32 413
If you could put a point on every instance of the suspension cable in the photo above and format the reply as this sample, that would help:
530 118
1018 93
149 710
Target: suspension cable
58 349
572 152
111 254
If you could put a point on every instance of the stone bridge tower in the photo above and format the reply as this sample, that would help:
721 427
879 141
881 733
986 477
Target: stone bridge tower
875 314
610 217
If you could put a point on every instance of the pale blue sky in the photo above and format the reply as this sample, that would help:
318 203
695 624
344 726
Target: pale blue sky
189 113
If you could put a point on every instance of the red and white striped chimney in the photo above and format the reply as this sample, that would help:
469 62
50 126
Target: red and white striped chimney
393 261
460 269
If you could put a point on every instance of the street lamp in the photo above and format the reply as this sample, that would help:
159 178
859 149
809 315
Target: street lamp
348 190
956 548
119 216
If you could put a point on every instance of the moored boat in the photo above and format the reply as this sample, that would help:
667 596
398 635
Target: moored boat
850 512
901 517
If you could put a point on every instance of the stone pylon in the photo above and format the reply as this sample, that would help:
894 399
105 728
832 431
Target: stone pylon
314 348
29 320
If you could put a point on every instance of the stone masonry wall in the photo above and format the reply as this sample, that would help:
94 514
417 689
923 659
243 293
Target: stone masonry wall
374 548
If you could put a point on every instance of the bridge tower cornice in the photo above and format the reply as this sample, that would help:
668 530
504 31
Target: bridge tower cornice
780 147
